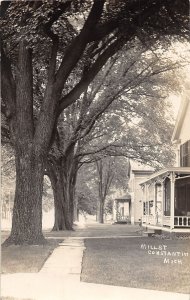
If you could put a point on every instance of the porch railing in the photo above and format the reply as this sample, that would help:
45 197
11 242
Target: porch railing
119 217
182 221
156 220
179 221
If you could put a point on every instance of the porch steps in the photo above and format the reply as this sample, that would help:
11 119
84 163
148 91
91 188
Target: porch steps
150 232
164 234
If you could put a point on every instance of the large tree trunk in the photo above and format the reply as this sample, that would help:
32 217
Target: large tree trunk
69 175
75 211
67 210
69 181
27 211
54 173
101 211
59 221
63 180
62 215
73 202
31 146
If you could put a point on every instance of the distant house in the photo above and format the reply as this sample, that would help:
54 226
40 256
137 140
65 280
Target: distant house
166 194
128 207
138 173
122 209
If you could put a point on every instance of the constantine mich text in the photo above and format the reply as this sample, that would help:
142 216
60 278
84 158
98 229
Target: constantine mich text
173 257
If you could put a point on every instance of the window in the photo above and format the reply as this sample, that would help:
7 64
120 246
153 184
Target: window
185 154
151 207
182 192
167 197
122 211
145 208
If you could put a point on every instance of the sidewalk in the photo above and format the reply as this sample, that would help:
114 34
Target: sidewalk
59 279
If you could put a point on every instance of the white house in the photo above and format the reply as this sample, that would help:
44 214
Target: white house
181 134
166 194
138 173
127 207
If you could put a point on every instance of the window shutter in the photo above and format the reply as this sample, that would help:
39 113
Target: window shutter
188 154
185 154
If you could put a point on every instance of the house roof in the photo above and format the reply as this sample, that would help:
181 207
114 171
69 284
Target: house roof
127 196
180 118
135 165
143 172
138 168
163 172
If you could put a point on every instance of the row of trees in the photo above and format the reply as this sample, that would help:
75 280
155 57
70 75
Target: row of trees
75 146
51 53
90 129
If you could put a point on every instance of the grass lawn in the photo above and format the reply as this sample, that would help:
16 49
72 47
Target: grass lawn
26 259
123 262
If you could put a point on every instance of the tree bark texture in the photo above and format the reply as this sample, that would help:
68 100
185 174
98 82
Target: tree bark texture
69 174
62 173
101 211
27 211
54 173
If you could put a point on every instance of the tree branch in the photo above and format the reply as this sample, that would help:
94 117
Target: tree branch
24 92
90 75
8 85
77 47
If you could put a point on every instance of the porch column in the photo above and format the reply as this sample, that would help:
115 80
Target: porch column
172 202
147 204
142 204
163 200
155 204
132 210
114 210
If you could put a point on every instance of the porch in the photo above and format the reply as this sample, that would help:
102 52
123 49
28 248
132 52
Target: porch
179 221
166 199
122 209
